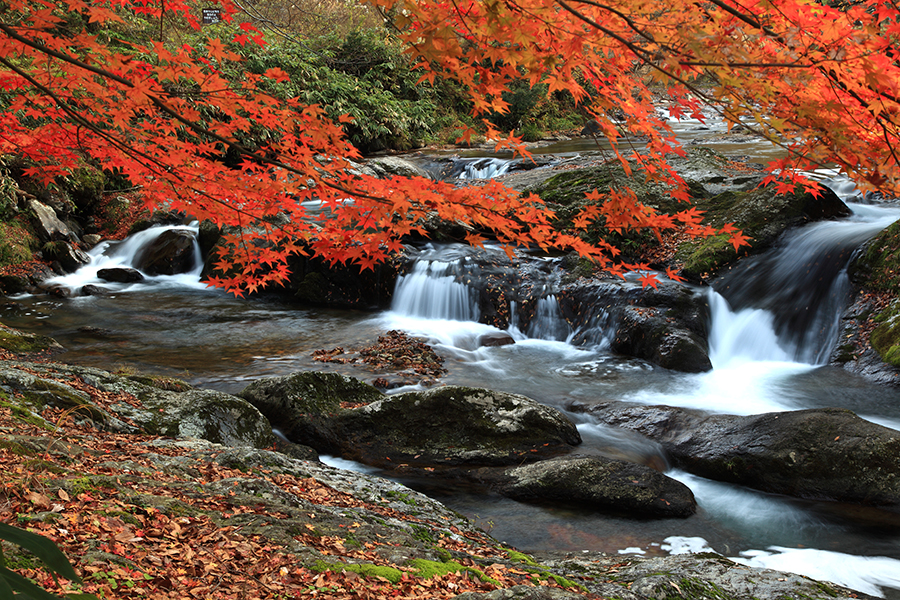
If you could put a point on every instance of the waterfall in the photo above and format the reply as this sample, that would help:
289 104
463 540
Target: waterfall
431 291
125 254
548 322
485 168
787 302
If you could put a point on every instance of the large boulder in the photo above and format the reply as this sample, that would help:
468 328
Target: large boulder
448 426
302 405
666 325
602 484
120 275
170 253
68 257
46 223
819 454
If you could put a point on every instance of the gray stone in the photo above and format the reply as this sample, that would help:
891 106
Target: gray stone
385 167
46 224
523 592
447 425
601 484
819 454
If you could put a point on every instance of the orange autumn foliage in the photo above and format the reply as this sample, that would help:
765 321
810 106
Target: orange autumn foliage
819 80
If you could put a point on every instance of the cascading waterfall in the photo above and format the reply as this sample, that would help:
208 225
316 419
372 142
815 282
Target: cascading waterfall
431 291
787 302
548 322
125 254
485 168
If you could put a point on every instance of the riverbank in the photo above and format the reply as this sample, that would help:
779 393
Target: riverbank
151 516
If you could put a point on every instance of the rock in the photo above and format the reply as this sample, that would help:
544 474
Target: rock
763 215
649 334
666 325
385 167
299 405
67 255
20 342
446 426
204 414
172 252
120 275
46 224
454 425
818 454
207 237
602 484
689 577
94 290
522 592
92 239
492 340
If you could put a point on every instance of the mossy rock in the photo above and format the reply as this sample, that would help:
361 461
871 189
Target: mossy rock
17 244
85 185
885 338
20 342
761 214
878 268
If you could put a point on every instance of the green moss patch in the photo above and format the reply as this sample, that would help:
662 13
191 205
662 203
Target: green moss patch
429 568
885 338
365 569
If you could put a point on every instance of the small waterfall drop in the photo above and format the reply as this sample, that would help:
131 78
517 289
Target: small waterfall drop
126 255
431 291
548 322
485 168
794 293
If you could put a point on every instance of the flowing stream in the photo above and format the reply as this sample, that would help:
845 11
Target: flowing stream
771 329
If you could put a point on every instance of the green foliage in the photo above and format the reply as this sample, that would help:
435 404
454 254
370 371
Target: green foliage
364 75
13 585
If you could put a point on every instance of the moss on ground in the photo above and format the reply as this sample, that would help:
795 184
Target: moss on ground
365 569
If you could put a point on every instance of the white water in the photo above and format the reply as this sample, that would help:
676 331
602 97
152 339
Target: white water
755 370
485 168
110 255
753 366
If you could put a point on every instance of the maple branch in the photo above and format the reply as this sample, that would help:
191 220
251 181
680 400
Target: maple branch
75 116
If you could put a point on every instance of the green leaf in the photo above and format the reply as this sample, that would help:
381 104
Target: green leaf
41 547
27 587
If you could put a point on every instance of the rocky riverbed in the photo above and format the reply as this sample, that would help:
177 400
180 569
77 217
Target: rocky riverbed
151 496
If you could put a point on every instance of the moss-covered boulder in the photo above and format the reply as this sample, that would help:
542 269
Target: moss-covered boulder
21 343
446 426
600 483
819 454
762 214
301 405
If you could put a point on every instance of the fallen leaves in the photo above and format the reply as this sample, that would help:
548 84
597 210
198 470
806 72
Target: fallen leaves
159 535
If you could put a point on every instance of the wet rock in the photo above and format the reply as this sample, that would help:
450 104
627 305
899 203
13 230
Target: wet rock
666 325
649 334
94 290
172 252
120 275
69 257
601 484
492 340
819 454
446 426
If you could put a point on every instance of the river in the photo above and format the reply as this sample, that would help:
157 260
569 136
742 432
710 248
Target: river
763 361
